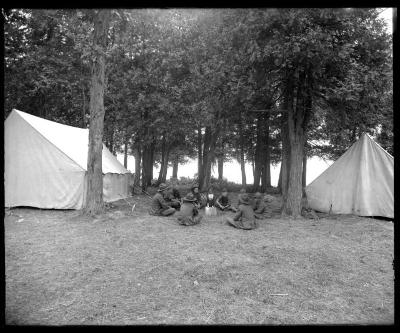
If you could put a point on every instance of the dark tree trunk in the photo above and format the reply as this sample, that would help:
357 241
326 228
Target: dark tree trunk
242 159
220 167
175 168
147 165
163 158
83 107
94 194
126 152
304 174
297 122
285 164
138 159
199 155
111 142
266 170
280 179
151 160
210 139
258 162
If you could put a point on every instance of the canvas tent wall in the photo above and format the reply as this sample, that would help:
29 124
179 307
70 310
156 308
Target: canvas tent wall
45 165
360 182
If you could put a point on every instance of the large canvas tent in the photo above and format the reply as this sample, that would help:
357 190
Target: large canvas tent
360 182
46 165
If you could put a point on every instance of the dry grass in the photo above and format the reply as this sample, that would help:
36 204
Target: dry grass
124 268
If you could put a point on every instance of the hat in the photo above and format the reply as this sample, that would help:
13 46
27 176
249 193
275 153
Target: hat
245 198
257 195
194 186
162 187
189 197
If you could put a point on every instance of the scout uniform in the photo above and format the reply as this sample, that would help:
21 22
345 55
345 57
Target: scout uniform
244 218
189 214
200 203
159 206
259 206
223 202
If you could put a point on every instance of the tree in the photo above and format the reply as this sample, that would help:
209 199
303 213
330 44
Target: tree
94 194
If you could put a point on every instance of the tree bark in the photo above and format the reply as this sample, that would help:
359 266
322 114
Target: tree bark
266 170
285 163
297 123
280 179
304 174
175 168
83 107
138 159
94 195
210 139
220 167
242 159
258 162
199 155
163 155
126 152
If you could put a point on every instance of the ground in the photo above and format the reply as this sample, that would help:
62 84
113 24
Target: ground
131 268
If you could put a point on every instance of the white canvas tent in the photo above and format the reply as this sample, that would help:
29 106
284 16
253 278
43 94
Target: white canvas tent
360 182
46 162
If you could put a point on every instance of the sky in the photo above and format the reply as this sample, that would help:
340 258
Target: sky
387 16
315 165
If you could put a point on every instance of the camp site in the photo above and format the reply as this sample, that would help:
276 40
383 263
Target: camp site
208 166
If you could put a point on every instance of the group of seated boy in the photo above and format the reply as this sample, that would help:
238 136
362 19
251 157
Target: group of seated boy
168 200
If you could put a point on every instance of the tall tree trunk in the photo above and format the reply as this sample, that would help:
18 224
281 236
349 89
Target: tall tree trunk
210 139
199 155
126 152
138 159
220 167
162 166
175 168
285 163
266 174
94 194
111 142
297 122
258 162
147 164
280 180
304 174
292 206
83 107
242 159
151 161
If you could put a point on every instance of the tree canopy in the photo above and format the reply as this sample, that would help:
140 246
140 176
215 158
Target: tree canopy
256 85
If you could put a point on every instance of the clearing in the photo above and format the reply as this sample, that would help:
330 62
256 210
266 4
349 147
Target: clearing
131 268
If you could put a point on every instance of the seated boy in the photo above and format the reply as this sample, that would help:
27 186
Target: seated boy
174 197
199 202
210 198
223 203
159 206
244 218
242 191
189 214
259 206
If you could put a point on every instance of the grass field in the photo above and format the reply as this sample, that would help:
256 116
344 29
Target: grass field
131 268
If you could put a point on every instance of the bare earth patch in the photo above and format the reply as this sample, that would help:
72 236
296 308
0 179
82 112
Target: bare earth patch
131 268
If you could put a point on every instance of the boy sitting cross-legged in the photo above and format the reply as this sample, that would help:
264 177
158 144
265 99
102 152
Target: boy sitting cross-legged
223 202
244 218
189 214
